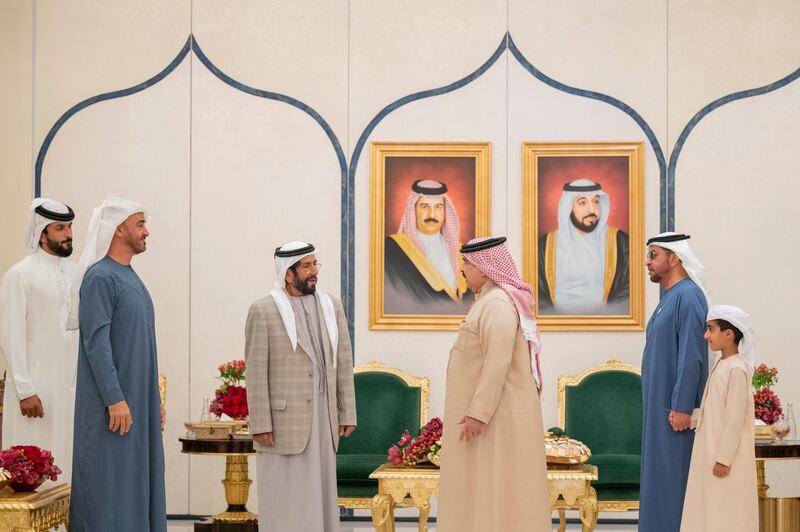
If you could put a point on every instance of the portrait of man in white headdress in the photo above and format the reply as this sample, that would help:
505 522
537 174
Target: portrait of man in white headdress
421 260
584 264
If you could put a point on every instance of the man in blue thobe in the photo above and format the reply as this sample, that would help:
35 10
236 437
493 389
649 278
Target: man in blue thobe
674 373
118 458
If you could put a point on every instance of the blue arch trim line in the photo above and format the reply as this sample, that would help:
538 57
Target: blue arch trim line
702 113
627 109
348 208
97 99
667 172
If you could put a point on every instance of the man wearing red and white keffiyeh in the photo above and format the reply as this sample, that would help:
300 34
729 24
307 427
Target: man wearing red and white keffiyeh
493 472
497 264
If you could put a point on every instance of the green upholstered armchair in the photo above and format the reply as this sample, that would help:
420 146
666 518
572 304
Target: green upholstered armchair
388 401
602 407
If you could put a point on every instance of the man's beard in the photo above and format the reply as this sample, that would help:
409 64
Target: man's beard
303 287
62 249
586 228
137 245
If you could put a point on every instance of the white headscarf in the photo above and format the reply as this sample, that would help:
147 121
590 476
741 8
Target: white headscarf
739 319
282 264
580 257
105 220
37 222
692 265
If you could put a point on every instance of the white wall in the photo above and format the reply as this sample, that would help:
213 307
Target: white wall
228 175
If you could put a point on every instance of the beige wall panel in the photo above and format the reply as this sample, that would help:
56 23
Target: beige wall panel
138 147
298 49
263 173
476 112
538 112
717 48
616 48
16 86
88 47
736 191
398 48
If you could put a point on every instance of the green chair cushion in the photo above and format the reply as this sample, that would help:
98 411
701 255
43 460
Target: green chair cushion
615 494
358 489
617 469
605 412
386 406
358 466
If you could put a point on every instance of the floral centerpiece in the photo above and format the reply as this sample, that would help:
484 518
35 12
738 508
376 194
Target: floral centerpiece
413 450
29 466
767 404
231 398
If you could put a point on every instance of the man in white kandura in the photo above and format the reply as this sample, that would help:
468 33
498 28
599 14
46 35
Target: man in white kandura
40 353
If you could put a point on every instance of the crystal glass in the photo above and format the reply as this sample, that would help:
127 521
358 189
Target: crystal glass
204 413
790 420
780 428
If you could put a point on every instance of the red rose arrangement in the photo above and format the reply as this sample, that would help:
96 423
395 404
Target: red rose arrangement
767 404
423 448
230 398
29 466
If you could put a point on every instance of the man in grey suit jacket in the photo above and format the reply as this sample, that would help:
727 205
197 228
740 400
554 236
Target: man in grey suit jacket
300 395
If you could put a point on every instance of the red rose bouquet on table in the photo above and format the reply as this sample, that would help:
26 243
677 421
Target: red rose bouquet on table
231 398
29 466
767 405
422 448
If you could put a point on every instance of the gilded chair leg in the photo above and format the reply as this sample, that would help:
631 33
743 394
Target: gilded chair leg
383 513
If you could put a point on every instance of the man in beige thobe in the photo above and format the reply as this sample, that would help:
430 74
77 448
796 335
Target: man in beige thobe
493 472
300 395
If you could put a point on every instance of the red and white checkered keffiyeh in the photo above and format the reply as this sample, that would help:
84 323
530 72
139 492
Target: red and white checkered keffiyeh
450 229
497 264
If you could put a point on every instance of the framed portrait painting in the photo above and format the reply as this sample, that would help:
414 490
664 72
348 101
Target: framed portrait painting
426 200
583 250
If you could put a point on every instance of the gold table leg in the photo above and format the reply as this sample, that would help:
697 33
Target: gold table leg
562 520
237 490
383 513
761 479
424 511
587 505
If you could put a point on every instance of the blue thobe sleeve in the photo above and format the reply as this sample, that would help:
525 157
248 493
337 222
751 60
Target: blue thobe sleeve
692 355
98 294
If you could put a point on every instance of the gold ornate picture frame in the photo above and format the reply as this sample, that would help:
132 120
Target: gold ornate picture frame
415 278
583 203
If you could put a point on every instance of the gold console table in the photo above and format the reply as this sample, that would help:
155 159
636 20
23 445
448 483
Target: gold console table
35 511
776 514
413 486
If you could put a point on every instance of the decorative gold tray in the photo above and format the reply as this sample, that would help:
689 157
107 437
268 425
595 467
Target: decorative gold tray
564 450
216 430
5 478
764 433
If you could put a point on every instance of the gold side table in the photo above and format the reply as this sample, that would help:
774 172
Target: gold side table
572 489
35 511
237 481
413 486
403 486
